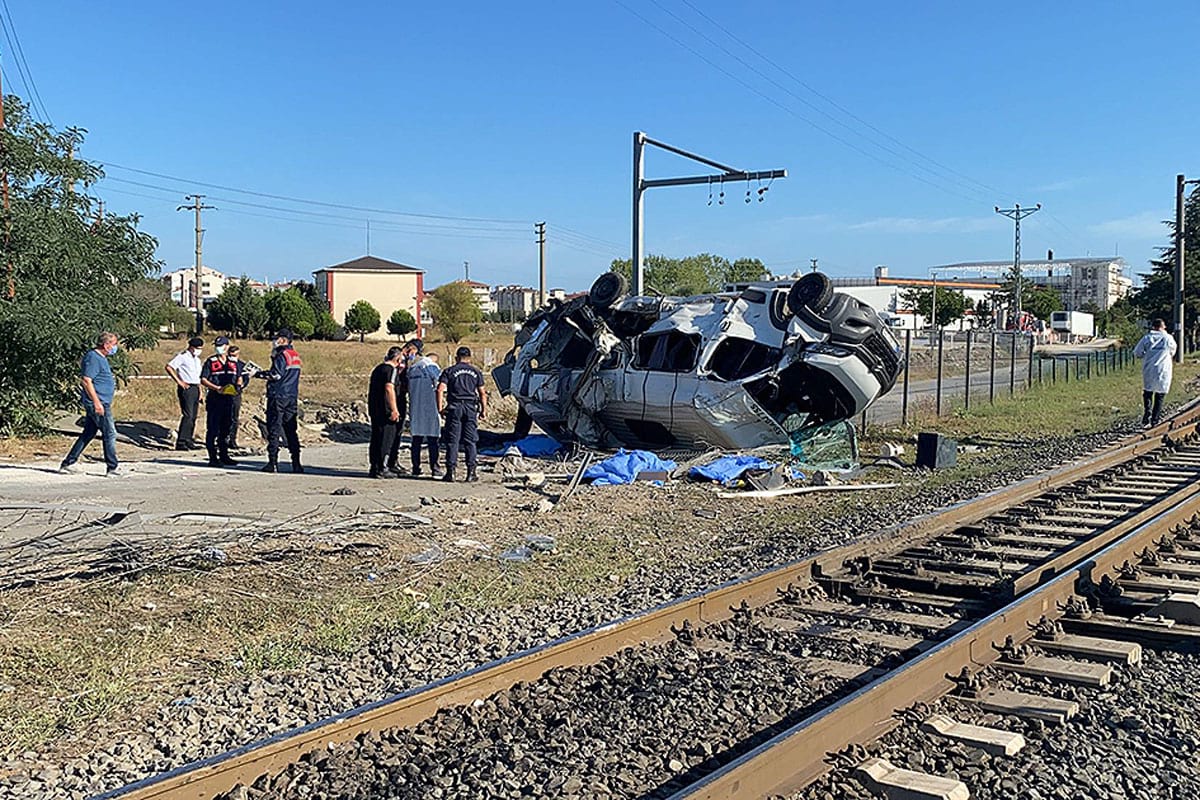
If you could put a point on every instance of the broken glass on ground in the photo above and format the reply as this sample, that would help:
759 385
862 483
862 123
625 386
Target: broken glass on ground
430 555
831 446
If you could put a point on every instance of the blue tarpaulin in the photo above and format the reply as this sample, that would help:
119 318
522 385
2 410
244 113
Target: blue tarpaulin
728 469
624 467
535 446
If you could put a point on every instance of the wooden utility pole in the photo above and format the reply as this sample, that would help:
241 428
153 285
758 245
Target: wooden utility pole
197 206
12 283
540 227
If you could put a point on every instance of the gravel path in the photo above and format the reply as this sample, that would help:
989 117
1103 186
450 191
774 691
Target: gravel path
211 718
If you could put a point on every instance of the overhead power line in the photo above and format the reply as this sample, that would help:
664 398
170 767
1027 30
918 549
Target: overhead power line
308 201
14 44
789 110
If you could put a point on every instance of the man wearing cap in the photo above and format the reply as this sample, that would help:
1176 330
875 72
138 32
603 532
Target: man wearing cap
283 397
462 401
221 375
184 369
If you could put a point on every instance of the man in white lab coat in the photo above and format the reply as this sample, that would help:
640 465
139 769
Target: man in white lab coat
1157 351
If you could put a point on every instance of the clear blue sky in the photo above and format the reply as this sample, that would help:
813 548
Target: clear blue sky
525 112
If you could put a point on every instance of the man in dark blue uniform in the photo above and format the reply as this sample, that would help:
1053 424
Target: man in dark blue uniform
283 393
462 401
222 376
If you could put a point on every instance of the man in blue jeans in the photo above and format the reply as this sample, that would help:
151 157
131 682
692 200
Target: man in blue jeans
98 384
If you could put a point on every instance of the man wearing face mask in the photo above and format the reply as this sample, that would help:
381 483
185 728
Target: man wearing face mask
234 355
221 376
283 395
98 387
184 369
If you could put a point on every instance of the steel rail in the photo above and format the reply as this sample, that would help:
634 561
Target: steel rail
210 777
794 758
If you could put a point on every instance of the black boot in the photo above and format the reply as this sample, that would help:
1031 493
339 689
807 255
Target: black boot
296 464
471 476
449 476
272 464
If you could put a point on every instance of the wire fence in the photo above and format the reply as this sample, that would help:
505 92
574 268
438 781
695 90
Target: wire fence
957 371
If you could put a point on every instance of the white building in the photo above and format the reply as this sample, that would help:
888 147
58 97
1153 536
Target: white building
181 284
519 301
483 295
1081 282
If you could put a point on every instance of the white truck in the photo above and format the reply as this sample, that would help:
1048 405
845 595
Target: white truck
1077 324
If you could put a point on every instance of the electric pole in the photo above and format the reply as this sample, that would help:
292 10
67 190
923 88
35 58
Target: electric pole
814 264
197 206
640 140
467 271
1180 186
12 283
1016 214
540 228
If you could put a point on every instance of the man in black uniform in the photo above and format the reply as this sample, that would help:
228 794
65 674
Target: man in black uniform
462 401
392 455
221 376
283 396
234 353
383 406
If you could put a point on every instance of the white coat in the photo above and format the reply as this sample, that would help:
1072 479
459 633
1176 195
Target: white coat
423 418
1157 350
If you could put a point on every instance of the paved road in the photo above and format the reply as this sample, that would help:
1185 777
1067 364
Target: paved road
922 394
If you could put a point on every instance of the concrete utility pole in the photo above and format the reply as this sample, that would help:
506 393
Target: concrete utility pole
814 264
197 206
1016 214
1180 260
933 310
540 228
12 283
467 271
640 140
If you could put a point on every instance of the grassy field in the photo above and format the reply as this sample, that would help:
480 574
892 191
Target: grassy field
333 372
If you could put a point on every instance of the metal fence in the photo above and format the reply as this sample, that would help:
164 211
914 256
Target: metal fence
961 370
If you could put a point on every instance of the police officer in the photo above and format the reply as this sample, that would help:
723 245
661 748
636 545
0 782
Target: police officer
222 376
234 354
462 401
283 394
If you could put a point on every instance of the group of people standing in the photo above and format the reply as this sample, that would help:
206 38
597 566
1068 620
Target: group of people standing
225 377
409 382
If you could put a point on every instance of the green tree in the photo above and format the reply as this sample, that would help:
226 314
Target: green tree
745 270
238 309
326 327
289 309
312 296
699 274
74 273
401 322
951 303
362 318
1156 298
455 309
1041 301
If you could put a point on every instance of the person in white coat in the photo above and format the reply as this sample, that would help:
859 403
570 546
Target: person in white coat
424 424
1157 351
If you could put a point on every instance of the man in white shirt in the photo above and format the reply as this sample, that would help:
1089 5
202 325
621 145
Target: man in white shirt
185 370
1157 351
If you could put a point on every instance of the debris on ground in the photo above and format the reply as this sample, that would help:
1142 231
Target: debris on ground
624 467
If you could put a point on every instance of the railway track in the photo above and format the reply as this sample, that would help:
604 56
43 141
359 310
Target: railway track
744 690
